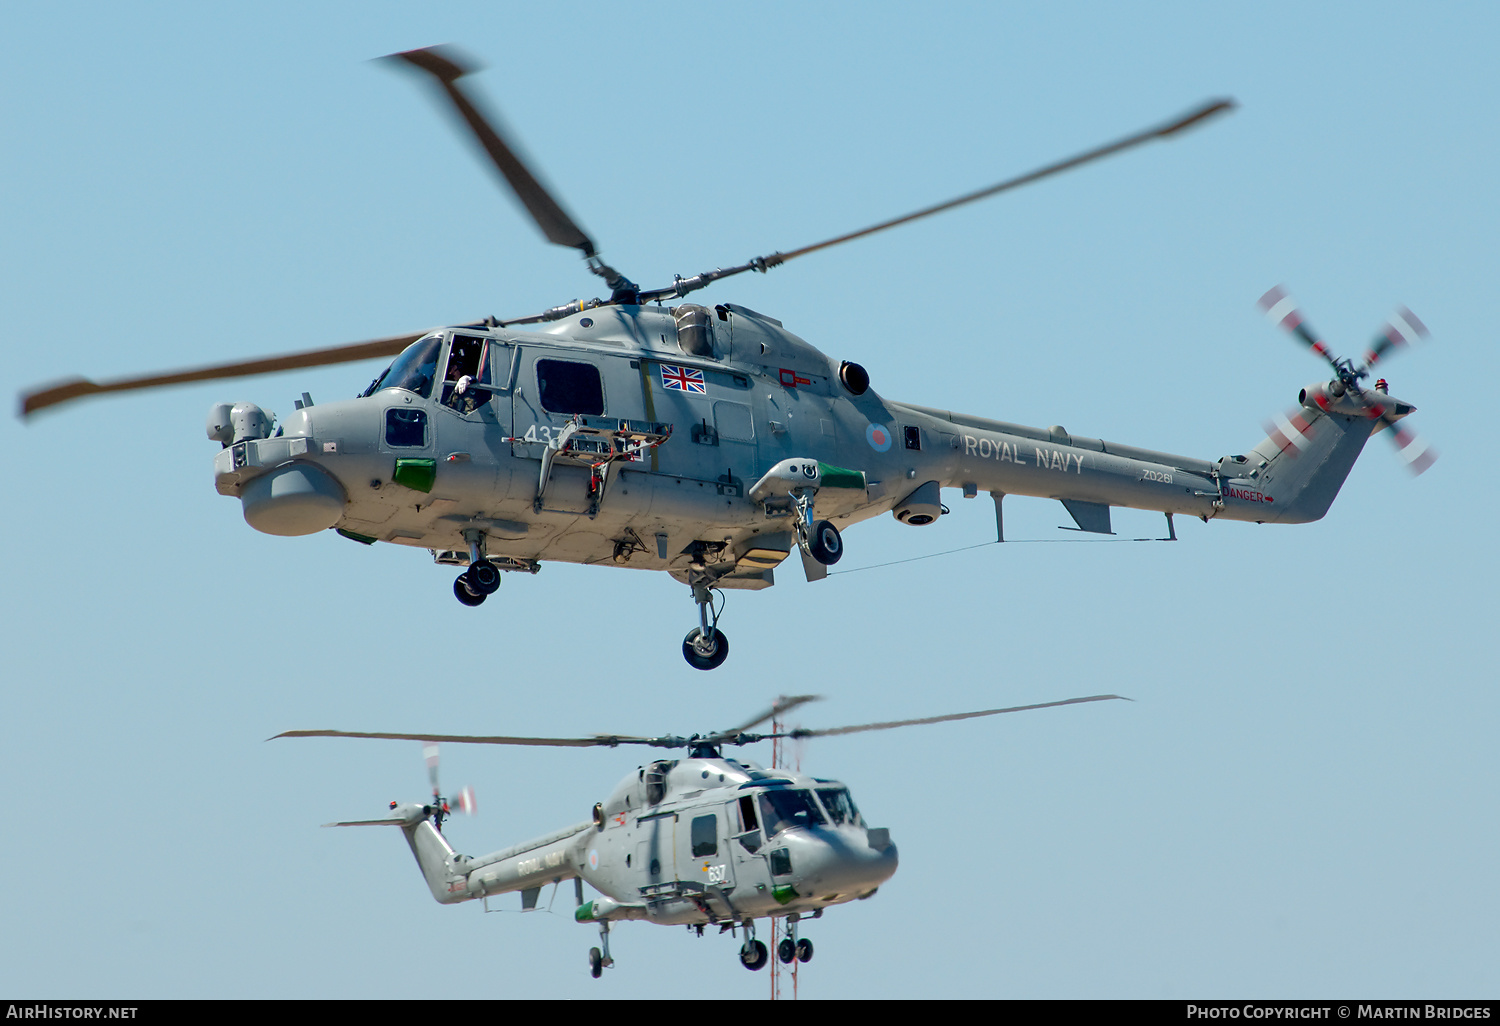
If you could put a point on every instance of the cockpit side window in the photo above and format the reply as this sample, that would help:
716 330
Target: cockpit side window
405 426
466 360
567 387
413 370
747 813
780 809
839 805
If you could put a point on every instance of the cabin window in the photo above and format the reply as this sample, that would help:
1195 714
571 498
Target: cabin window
567 387
781 862
705 836
747 812
839 806
405 426
780 809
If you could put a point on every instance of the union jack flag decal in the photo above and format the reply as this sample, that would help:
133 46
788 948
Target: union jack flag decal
683 379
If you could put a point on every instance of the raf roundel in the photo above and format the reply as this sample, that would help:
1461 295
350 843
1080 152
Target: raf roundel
879 437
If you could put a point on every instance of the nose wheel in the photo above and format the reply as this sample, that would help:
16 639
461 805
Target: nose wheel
793 948
482 579
464 593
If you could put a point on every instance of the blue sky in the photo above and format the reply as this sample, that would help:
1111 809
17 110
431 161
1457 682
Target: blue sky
1299 803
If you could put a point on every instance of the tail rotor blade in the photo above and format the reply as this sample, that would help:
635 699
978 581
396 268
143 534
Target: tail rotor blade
430 753
1291 431
1414 450
1282 311
466 802
1400 330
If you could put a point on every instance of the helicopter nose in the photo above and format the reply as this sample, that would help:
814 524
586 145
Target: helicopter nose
850 861
294 499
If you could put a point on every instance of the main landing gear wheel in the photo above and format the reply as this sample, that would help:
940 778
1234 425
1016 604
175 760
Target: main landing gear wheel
804 951
483 577
825 544
703 655
464 594
754 955
786 951
596 963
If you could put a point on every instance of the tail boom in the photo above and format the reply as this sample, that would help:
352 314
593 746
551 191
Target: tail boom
1275 482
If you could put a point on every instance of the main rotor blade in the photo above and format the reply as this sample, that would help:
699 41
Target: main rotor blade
78 388
763 263
601 740
446 65
1207 110
782 705
832 731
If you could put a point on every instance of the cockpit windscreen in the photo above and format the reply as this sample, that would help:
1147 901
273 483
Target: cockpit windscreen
840 806
780 809
413 370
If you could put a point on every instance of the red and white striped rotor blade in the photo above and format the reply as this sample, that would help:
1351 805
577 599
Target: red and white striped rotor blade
1282 311
1413 449
430 754
1291 431
1402 328
466 802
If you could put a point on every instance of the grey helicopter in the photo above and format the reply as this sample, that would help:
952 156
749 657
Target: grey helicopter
707 840
708 442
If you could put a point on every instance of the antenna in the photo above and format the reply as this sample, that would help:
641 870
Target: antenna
780 760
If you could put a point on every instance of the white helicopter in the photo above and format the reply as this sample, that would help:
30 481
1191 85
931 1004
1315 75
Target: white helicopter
706 442
708 840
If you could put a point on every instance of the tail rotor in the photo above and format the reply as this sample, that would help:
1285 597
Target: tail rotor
441 808
1293 431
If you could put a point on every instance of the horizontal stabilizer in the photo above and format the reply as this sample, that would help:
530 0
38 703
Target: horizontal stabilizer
1092 517
401 816
370 822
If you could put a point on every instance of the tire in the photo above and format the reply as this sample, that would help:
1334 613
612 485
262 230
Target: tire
483 577
596 963
755 956
463 594
786 951
825 545
804 950
702 662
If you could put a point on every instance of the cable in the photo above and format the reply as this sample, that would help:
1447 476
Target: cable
1008 541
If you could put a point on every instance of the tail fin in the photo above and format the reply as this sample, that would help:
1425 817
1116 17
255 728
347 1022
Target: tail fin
436 858
434 855
1308 454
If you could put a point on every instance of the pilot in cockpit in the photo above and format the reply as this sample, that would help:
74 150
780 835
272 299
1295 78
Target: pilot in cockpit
463 368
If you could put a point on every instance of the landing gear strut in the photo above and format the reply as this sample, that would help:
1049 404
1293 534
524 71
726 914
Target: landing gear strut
705 646
818 538
793 948
482 579
600 960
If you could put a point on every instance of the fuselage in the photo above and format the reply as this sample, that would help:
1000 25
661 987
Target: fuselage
459 439
698 840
